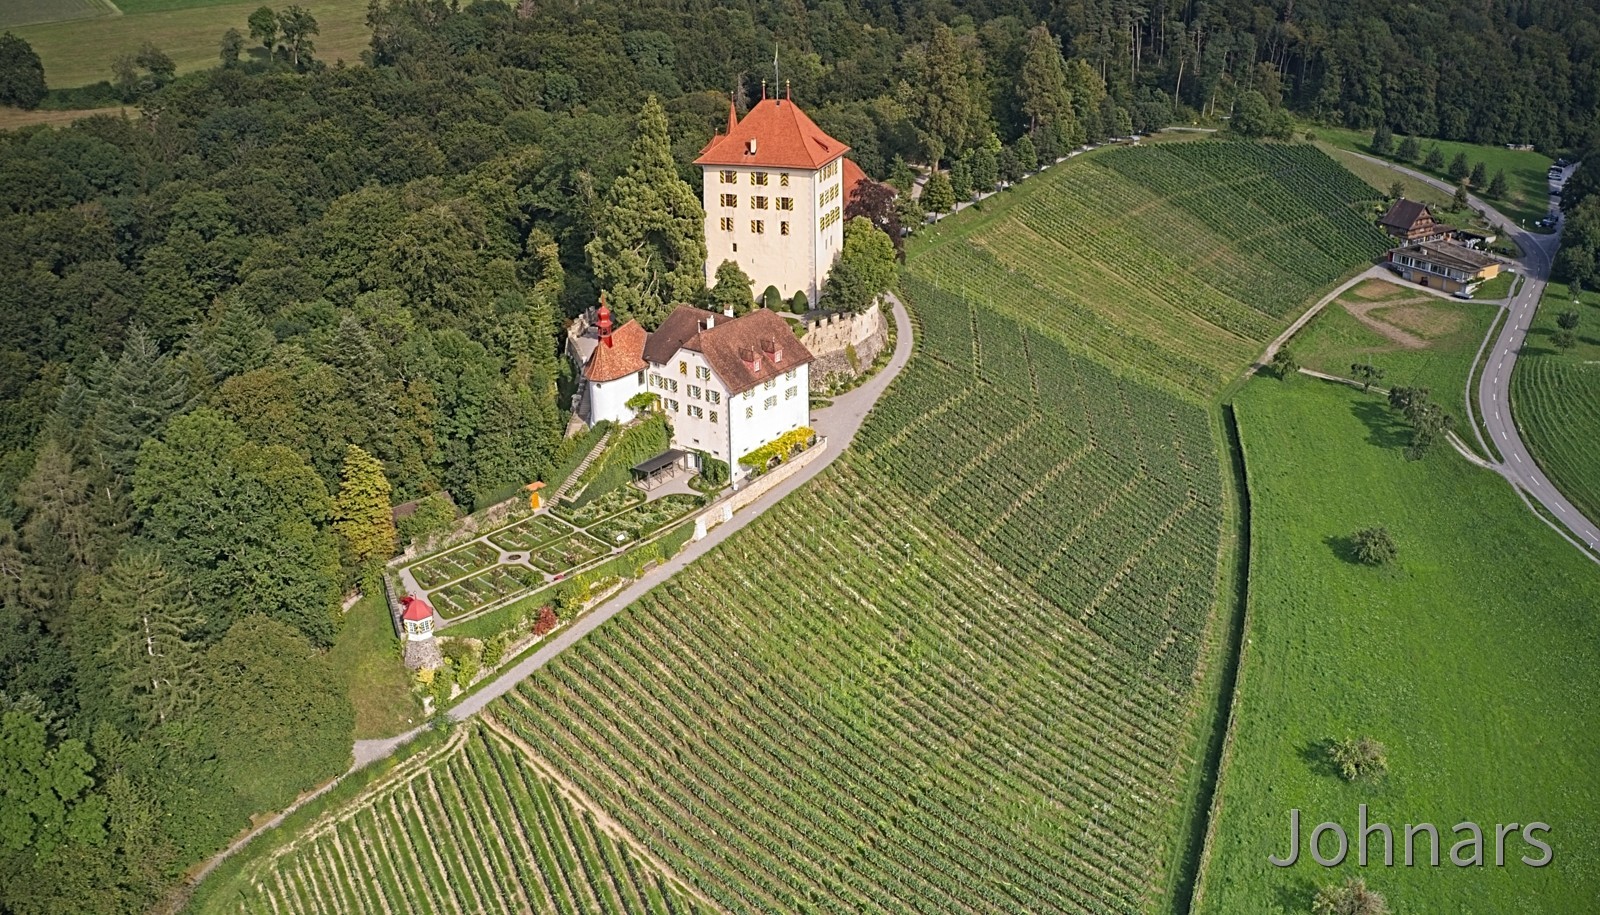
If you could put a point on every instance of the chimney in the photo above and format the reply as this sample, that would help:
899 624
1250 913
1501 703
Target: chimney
709 322
727 311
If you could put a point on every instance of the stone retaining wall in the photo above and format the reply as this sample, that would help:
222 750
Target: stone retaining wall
723 509
830 339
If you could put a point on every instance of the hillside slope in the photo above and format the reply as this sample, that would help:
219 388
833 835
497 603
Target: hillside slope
1180 260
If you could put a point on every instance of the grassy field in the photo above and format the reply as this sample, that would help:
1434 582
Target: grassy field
14 118
465 828
1179 260
1417 339
80 52
369 657
1474 659
1529 191
1555 398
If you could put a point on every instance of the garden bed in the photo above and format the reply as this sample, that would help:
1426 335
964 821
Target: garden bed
603 506
574 551
474 557
483 589
525 535
639 523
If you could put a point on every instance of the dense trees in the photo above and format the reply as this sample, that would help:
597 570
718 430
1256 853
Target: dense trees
21 73
866 268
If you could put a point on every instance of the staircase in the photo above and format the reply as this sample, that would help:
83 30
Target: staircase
600 446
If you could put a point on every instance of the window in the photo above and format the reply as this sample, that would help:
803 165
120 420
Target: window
730 200
770 402
789 394
771 383
758 178
783 179
730 177
672 404
749 412
727 223
672 385
785 203
757 227
701 372
655 380
714 396
783 227
694 391
758 203
829 170
789 375
696 412
713 415
828 220
749 394
683 369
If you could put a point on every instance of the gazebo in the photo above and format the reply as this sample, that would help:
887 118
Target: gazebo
661 468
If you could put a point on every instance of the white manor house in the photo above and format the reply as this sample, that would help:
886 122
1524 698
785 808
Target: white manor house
726 385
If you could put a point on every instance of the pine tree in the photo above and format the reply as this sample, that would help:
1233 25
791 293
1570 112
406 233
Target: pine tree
733 288
1027 154
136 395
1435 160
1042 80
362 515
649 249
1409 150
151 614
938 196
1382 140
945 103
1497 184
900 176
1479 175
1458 167
232 340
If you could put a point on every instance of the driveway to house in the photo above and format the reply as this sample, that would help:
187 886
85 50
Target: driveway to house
838 422
1500 358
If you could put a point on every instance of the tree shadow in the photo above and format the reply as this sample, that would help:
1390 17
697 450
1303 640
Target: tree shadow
1315 755
1385 430
1343 547
1296 895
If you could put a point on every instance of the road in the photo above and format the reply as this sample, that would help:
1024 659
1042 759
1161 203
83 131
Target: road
1500 358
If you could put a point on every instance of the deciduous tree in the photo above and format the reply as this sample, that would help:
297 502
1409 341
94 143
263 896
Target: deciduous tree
362 514
732 289
21 73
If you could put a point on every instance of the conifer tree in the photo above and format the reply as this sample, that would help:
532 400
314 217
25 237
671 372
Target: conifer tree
1497 184
362 515
151 615
1027 154
136 395
1434 161
232 340
649 249
938 195
1409 149
1480 175
900 176
1042 81
985 170
961 179
946 104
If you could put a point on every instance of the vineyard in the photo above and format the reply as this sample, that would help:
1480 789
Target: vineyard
471 828
1180 259
1555 396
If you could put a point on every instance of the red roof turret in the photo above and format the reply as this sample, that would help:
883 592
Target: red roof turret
415 609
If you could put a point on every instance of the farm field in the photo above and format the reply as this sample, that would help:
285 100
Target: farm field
467 828
80 52
1180 260
1472 657
1529 196
28 12
1555 398
1417 339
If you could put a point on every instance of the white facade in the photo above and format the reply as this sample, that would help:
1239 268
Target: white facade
609 399
706 417
783 227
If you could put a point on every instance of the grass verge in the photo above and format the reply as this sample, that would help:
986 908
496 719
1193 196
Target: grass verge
368 656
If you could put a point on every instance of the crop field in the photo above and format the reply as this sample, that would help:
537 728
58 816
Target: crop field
29 12
80 52
470 828
1474 657
1555 398
1180 260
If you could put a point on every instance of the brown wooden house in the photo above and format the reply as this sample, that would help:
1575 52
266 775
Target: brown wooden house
1410 222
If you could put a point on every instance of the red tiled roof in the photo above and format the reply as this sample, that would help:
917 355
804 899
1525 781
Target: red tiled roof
677 331
416 609
623 357
853 175
784 138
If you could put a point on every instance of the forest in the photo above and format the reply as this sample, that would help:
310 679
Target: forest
288 292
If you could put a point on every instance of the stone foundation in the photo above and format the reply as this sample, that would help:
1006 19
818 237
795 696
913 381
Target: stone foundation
834 339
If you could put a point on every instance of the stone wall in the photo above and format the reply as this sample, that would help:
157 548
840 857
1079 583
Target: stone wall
830 338
723 509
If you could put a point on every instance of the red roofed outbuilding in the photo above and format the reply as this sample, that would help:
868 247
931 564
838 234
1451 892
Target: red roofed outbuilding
416 616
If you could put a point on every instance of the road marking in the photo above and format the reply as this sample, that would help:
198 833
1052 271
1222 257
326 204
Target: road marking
1519 459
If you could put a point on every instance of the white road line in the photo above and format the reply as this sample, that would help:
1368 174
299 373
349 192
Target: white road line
1519 459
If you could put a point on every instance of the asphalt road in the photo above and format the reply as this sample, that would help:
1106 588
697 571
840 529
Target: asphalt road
1498 360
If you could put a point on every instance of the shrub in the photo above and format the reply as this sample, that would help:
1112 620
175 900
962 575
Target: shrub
799 303
772 299
1351 897
546 621
778 450
434 515
1359 758
1284 364
713 470
494 650
1374 546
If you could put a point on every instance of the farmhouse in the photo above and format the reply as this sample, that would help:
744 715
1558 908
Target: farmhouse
726 385
1444 265
774 194
1412 223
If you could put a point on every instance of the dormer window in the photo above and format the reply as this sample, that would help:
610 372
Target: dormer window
750 146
